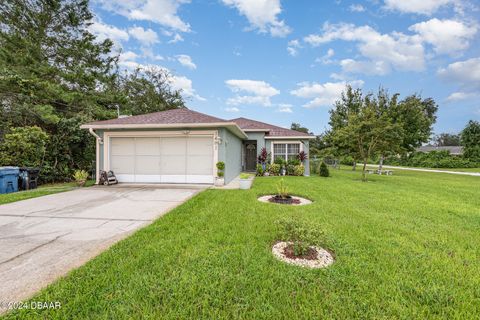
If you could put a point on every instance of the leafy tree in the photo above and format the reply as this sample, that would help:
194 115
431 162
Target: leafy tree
447 139
298 127
416 116
24 146
367 128
470 138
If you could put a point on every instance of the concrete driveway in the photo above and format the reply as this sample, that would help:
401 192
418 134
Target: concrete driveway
44 238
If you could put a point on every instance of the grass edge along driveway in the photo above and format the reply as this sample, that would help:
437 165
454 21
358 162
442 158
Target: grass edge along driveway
406 247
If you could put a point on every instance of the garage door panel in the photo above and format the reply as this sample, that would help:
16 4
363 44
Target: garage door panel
145 165
123 146
147 146
200 146
172 165
123 164
173 147
201 165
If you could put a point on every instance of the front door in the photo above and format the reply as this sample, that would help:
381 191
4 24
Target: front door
250 156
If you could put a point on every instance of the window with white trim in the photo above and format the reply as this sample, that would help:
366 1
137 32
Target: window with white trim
286 151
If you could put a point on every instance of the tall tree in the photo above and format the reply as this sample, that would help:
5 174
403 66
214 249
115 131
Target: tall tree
298 127
367 128
447 139
470 138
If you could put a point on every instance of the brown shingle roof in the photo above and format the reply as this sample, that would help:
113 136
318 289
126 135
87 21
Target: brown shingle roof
274 131
163 117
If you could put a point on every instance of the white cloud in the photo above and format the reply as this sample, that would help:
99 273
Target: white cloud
464 73
365 67
458 96
262 15
285 108
145 36
104 31
293 46
128 60
176 38
163 12
186 61
322 95
258 92
325 59
185 85
232 109
396 50
426 7
446 36
356 8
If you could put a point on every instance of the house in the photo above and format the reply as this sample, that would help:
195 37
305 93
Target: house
183 146
454 150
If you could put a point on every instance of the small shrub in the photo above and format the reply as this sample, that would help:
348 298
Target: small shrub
221 165
282 189
274 169
260 171
299 170
294 162
290 169
302 156
262 157
80 176
279 161
220 174
301 234
245 176
323 170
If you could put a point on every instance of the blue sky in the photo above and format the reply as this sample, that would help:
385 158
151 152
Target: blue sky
283 61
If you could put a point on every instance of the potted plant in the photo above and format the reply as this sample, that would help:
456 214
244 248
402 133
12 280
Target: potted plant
245 181
220 180
80 177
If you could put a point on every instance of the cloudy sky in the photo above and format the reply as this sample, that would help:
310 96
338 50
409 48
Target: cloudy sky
283 61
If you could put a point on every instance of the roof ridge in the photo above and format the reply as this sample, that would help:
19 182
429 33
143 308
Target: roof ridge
271 125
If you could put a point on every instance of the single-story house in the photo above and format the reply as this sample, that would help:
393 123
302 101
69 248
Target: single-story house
183 146
454 150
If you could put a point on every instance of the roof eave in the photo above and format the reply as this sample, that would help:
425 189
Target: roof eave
289 137
231 125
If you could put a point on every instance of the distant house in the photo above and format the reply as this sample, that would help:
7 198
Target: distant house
454 150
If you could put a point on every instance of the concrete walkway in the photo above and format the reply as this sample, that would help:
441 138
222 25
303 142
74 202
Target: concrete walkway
477 174
43 238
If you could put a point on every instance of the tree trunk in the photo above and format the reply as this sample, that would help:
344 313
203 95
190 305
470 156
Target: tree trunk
380 164
354 167
364 172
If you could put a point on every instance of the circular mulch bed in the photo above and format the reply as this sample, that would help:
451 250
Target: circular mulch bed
291 200
315 258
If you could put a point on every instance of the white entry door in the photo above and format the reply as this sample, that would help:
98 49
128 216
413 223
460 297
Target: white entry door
163 159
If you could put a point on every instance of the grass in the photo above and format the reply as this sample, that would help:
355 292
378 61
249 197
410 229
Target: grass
42 190
443 169
406 247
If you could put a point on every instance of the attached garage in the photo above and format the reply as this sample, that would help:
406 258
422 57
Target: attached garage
162 157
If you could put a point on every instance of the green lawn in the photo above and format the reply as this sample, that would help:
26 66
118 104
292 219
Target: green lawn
42 190
407 247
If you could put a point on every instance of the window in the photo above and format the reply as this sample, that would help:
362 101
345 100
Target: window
286 151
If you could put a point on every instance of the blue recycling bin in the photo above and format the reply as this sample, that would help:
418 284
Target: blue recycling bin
9 179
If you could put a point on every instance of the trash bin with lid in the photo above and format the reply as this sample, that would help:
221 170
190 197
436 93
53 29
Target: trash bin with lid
8 179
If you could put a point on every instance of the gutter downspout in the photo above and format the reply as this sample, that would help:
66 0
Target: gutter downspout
99 141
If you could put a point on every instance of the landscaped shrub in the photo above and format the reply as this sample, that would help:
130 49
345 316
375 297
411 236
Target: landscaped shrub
299 170
433 159
274 169
80 177
220 169
323 170
294 162
302 156
301 234
23 147
290 169
259 170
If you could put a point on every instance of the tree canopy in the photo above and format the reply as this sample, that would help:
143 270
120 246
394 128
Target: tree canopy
470 139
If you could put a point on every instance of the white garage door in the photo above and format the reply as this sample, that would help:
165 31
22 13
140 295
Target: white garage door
163 159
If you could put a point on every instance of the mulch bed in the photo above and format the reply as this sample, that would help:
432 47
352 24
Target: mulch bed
287 200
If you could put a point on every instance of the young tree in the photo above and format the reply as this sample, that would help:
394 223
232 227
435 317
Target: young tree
470 138
367 129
